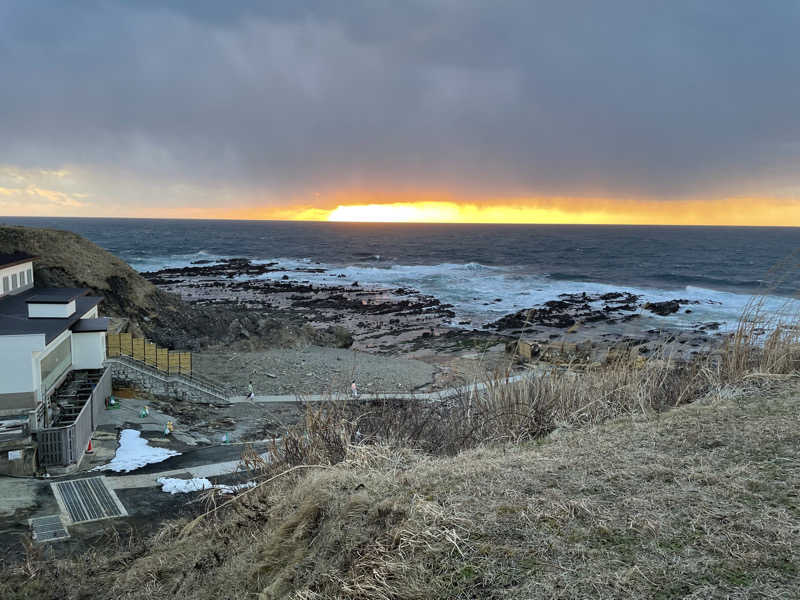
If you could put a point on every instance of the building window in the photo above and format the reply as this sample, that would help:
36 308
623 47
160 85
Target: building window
22 278
6 288
55 364
30 276
14 283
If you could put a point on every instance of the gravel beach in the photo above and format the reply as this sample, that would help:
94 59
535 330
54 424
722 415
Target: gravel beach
313 370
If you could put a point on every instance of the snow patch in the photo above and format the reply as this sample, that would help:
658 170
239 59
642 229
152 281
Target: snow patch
185 486
135 452
232 489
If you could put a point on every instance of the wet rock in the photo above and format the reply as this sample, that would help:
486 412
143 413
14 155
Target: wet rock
663 308
570 309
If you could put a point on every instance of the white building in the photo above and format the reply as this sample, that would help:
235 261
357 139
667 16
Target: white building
47 336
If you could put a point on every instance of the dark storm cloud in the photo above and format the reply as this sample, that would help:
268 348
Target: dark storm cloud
654 99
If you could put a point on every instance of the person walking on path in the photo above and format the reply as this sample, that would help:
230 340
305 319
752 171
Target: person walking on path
250 393
354 389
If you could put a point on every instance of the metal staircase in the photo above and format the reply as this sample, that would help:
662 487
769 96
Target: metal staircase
192 381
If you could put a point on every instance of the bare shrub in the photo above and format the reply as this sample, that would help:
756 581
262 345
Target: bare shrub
499 411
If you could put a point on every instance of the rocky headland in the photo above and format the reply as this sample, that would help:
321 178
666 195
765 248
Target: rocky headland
66 259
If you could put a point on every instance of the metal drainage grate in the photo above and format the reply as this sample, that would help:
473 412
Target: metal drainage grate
48 529
88 499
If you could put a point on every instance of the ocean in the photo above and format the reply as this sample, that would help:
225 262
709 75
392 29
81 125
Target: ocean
484 271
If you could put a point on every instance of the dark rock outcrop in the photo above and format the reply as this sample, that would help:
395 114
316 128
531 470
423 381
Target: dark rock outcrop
570 309
663 308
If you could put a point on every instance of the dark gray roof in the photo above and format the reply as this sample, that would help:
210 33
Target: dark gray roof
14 313
56 296
9 260
91 325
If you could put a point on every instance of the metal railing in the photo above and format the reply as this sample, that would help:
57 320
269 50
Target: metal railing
192 380
64 446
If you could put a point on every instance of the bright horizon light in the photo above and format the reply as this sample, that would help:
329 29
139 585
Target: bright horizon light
732 211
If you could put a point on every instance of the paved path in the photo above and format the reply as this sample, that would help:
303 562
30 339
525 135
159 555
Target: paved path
123 482
203 462
429 396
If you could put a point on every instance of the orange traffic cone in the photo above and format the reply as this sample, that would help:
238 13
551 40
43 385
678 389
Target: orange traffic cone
89 449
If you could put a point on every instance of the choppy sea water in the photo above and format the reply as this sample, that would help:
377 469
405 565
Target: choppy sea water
485 271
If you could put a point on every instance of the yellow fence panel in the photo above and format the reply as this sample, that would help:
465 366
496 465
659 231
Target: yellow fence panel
150 353
112 344
138 349
162 359
174 363
185 363
168 361
126 344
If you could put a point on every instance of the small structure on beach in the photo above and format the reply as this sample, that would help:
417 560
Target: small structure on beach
52 379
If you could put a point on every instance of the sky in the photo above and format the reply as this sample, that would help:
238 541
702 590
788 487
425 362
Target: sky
423 110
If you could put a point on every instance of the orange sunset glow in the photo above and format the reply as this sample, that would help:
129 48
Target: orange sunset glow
734 211
569 211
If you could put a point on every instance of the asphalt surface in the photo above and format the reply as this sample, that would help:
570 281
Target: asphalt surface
193 457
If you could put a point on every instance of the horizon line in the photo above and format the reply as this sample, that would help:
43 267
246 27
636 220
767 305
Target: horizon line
256 220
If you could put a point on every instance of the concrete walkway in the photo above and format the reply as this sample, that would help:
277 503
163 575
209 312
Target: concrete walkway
425 396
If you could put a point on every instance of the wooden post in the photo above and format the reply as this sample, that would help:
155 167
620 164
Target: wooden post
126 344
150 350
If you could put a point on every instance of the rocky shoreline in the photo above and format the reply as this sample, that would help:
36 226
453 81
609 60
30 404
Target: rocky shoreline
405 323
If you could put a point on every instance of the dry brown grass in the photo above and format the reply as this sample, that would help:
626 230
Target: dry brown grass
699 503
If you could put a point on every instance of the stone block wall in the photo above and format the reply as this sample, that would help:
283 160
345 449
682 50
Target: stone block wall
126 376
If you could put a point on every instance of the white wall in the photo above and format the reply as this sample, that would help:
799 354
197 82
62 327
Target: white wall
18 370
91 313
17 270
50 311
88 350
37 363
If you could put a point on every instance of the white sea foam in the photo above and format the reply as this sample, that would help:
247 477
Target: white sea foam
481 293
156 263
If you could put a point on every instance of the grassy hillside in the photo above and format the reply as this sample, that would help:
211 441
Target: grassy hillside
699 502
68 260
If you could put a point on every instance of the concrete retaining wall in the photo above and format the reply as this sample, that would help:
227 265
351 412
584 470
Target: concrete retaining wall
129 376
